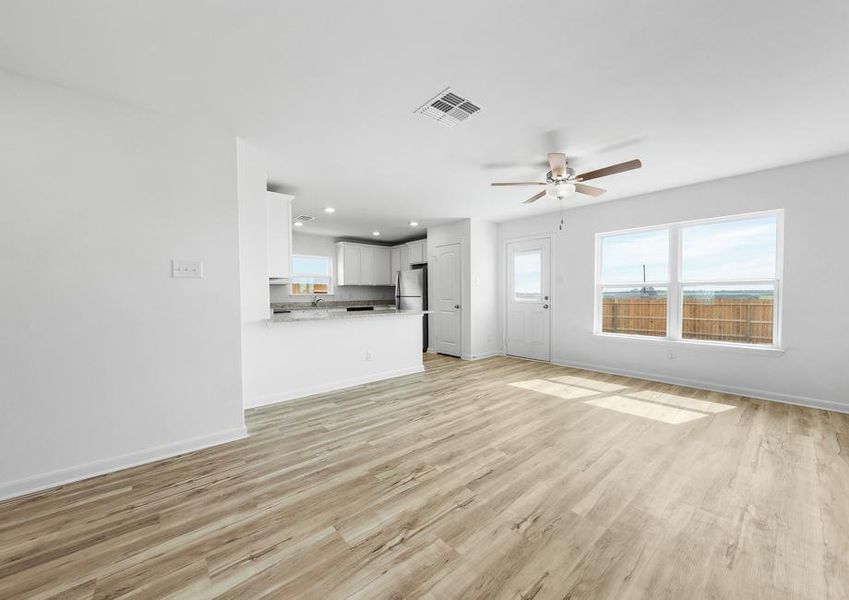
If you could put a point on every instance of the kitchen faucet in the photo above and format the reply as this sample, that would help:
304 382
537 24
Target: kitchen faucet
316 300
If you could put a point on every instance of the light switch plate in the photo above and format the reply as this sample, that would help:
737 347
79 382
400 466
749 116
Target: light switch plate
186 269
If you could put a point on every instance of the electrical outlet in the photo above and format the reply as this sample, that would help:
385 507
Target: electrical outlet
186 269
369 355
670 355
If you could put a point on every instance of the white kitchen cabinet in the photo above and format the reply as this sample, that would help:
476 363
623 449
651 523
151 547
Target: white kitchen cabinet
278 209
382 265
395 262
405 257
366 265
348 264
416 252
362 264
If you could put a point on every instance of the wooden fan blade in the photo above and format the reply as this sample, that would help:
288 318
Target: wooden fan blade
589 190
611 170
519 183
557 162
535 197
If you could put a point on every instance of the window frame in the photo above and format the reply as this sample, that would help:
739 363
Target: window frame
676 285
330 279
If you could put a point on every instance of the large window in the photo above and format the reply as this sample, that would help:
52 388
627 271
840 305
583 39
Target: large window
716 281
311 275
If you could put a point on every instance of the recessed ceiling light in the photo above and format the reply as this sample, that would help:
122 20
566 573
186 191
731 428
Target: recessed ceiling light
375 233
298 224
329 210
414 223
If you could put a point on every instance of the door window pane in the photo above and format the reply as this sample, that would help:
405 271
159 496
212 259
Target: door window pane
635 257
740 314
527 276
635 311
733 250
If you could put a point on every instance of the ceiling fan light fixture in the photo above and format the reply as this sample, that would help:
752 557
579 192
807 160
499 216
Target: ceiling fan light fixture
561 190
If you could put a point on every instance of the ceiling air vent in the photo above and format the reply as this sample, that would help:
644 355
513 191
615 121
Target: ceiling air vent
303 218
448 108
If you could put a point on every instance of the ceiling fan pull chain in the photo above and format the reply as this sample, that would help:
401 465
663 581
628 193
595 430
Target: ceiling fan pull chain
562 215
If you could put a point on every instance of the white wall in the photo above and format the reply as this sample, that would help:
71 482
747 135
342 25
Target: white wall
325 245
483 293
815 323
296 359
105 360
479 284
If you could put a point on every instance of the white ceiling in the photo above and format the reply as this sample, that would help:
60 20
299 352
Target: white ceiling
697 90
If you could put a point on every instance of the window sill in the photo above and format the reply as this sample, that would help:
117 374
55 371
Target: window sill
747 348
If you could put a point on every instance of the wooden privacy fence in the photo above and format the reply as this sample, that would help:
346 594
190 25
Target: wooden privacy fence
744 320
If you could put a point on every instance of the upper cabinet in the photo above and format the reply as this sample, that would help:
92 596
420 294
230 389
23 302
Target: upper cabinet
395 261
381 258
348 264
278 209
362 264
417 251
405 257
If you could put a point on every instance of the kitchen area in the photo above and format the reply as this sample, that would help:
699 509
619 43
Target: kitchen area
321 312
332 280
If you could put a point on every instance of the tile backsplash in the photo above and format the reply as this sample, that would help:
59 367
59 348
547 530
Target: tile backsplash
280 293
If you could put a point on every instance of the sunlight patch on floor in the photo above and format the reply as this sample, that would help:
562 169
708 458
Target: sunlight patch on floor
586 382
552 388
681 401
649 410
664 407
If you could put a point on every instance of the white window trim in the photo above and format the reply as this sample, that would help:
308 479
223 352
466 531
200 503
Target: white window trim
331 287
675 284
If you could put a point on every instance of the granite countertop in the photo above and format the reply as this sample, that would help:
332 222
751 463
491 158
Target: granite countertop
318 314
332 304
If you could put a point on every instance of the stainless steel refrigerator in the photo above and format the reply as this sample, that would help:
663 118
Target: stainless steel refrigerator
411 294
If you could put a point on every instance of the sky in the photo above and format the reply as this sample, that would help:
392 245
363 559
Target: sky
310 265
734 250
527 272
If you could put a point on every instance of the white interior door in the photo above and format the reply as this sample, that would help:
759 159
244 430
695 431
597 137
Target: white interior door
529 298
448 308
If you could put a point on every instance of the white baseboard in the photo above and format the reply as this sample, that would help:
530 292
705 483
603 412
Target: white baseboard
51 479
712 386
331 386
482 356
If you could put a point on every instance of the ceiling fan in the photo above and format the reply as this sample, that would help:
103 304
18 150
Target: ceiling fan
561 181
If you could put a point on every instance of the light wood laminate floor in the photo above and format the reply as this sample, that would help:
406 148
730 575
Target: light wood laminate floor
500 478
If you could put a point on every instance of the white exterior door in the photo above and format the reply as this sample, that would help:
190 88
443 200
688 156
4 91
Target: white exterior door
529 299
448 323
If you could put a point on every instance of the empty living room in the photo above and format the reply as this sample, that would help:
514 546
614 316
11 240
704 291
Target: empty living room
520 300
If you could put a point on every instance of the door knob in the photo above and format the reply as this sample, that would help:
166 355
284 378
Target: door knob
456 306
545 305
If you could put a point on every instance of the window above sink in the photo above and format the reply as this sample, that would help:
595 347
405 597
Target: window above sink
311 275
